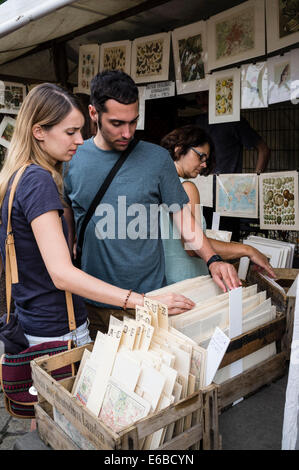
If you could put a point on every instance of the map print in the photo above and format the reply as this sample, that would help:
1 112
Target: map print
120 408
237 195
235 35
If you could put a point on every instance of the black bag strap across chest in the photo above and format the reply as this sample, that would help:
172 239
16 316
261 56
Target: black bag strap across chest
98 197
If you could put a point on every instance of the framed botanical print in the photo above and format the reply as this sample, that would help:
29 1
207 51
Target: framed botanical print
6 130
190 57
89 57
282 23
224 96
236 34
150 58
13 97
116 56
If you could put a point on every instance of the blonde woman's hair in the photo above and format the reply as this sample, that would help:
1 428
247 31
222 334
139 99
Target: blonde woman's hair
46 105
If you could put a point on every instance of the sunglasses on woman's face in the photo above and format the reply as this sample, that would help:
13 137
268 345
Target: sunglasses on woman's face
202 156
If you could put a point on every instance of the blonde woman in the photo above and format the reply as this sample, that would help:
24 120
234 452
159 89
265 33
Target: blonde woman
46 135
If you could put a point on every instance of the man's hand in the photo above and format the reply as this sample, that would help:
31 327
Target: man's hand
261 261
225 275
176 303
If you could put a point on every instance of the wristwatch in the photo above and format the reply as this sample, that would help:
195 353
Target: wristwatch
213 259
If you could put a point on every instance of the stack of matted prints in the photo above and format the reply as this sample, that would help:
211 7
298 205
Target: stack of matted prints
212 310
279 253
139 367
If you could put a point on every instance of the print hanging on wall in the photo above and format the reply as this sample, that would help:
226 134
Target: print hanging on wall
150 58
3 151
224 96
89 57
7 127
254 85
237 195
279 204
282 23
116 56
190 57
236 34
279 78
14 95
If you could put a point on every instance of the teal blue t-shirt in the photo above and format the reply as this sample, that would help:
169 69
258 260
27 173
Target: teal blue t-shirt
178 264
122 243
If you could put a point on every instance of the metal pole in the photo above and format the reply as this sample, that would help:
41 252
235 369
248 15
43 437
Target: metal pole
31 15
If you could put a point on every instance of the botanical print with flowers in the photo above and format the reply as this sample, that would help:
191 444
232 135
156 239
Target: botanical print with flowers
224 96
235 35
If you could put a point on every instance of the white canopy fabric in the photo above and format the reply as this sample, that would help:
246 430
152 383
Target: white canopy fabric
26 25
37 21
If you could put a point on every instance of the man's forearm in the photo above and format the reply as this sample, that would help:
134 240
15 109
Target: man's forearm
192 234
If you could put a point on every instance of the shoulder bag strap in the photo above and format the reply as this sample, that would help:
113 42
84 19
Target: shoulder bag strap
11 269
99 196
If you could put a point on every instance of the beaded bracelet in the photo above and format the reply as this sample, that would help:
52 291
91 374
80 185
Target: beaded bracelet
126 301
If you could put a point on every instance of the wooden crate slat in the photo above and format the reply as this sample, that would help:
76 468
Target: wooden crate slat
252 379
255 339
174 412
185 440
51 433
88 424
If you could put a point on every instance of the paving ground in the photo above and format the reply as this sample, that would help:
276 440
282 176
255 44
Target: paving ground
10 428
253 424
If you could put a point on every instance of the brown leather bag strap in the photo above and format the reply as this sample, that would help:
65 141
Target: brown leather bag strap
11 270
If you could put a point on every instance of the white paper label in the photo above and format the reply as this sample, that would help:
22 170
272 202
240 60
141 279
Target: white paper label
216 221
159 90
215 352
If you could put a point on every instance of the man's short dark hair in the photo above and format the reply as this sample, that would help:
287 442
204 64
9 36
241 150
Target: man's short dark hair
112 84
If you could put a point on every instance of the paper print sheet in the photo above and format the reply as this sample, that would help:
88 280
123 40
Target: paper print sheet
237 195
282 23
120 408
150 58
190 57
204 185
279 78
7 127
279 204
14 95
236 34
254 85
116 56
224 92
89 56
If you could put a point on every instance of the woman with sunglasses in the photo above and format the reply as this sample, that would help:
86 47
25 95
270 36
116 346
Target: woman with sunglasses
192 151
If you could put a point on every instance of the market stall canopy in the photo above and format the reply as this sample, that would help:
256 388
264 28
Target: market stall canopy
29 29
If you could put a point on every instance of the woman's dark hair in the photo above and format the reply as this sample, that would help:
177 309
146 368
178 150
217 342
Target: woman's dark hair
112 84
180 140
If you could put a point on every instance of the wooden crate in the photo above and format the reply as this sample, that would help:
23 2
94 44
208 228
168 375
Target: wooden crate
263 373
201 409
284 303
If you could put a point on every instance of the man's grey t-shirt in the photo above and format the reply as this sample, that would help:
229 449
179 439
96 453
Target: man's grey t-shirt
122 242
